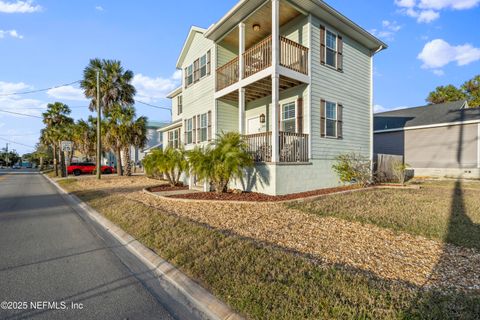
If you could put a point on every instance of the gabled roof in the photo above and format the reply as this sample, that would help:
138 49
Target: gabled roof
444 113
317 7
157 124
188 42
175 93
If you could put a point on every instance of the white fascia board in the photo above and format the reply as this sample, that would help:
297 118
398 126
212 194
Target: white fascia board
437 125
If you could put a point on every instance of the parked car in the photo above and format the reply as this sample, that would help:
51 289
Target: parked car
87 168
17 166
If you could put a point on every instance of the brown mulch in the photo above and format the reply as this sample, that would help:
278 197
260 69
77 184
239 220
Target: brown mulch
166 187
258 197
384 252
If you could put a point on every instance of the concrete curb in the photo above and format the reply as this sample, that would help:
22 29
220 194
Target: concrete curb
202 300
306 199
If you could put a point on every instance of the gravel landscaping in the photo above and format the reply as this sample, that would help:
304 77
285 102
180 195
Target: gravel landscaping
285 258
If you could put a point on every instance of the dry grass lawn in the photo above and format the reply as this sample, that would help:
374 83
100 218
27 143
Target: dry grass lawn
272 262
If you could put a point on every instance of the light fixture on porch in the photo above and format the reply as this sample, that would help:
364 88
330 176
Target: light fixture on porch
262 118
256 27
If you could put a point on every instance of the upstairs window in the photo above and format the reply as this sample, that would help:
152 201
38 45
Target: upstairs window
289 117
203 66
189 75
179 105
331 49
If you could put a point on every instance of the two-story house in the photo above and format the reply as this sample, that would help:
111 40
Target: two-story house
294 77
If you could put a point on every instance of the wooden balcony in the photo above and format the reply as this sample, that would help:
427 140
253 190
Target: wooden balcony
293 56
293 146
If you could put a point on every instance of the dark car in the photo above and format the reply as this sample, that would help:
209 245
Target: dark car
87 168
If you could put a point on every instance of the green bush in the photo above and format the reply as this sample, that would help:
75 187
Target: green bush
353 168
169 162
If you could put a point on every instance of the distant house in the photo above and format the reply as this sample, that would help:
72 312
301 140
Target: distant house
441 140
154 141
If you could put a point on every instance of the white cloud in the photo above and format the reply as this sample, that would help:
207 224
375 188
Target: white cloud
17 103
389 28
10 33
154 89
67 93
426 11
448 4
19 6
99 8
438 53
438 72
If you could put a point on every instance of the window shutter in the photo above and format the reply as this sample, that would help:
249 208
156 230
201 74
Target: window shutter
322 44
186 77
340 53
198 129
322 118
209 62
300 115
209 130
185 132
194 129
179 134
339 121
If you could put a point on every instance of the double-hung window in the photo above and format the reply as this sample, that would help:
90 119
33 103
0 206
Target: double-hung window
289 117
203 127
203 66
331 49
189 131
173 139
331 119
179 105
189 75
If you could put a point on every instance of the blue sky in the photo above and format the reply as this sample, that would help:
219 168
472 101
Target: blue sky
44 43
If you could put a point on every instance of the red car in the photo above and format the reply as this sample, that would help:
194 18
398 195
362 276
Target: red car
87 168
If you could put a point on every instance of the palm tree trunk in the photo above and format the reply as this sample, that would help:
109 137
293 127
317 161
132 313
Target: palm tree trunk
119 162
41 163
128 164
55 162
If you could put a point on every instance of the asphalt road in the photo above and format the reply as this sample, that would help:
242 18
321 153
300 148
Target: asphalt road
51 256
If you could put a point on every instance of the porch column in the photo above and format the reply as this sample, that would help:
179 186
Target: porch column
241 110
275 79
241 49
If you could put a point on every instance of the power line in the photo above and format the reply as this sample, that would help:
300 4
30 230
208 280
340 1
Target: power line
153 106
13 142
19 135
38 90
22 114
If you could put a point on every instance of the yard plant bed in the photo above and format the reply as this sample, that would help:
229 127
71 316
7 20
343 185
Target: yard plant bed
166 187
258 197
268 261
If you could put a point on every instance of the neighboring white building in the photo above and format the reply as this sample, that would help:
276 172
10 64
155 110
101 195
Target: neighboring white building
307 60
154 140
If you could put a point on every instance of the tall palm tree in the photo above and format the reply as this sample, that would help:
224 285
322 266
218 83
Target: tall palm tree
115 90
48 138
58 128
84 136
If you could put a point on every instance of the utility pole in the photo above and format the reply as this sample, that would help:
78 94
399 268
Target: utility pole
99 131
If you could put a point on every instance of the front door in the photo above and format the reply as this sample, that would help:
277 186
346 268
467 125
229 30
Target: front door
254 125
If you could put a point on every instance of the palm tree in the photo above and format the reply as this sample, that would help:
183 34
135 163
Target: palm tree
116 91
223 162
169 162
58 128
48 138
84 137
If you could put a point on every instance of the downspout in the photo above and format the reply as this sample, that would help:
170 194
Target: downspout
373 52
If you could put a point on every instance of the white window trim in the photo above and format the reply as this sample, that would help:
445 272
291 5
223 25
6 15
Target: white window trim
190 74
327 118
179 98
200 66
296 112
206 127
190 120
327 30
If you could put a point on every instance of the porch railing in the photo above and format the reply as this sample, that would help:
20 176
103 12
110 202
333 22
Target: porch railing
293 56
293 146
228 74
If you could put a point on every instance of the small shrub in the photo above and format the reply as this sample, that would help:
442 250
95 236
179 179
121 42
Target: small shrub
169 162
353 168
399 170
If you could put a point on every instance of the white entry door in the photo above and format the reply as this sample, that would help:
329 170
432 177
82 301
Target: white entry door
254 125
